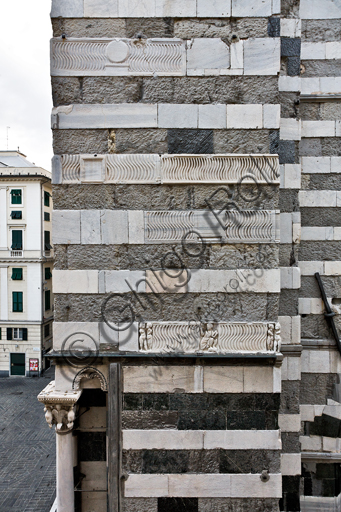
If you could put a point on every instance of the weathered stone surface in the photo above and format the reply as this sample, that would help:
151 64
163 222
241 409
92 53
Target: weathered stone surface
201 461
290 8
66 90
111 89
317 251
288 152
241 141
309 286
149 27
313 68
288 305
149 420
290 442
190 141
316 327
172 197
80 141
317 387
288 201
243 28
320 217
237 505
165 307
321 30
89 27
220 89
138 256
290 400
290 107
141 141
323 182
139 504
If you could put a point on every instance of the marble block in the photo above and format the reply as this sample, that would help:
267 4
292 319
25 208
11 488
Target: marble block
262 56
207 54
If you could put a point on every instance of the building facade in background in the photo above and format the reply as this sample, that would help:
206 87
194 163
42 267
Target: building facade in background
196 195
26 263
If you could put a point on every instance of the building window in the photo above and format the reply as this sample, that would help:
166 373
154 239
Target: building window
17 239
47 330
17 302
47 196
16 274
48 273
16 214
17 334
16 196
47 244
47 300
47 216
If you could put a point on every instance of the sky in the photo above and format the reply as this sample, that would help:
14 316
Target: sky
25 86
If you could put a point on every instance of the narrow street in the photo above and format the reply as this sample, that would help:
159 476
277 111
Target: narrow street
27 447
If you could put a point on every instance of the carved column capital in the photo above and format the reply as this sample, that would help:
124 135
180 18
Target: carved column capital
60 407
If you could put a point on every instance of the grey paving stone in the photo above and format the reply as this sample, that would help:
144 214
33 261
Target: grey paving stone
27 447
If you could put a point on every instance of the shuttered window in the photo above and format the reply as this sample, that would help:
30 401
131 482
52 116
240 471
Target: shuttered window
16 214
16 196
17 302
47 244
48 273
17 239
17 274
47 300
47 196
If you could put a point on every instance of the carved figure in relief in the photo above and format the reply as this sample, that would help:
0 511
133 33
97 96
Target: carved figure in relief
209 340
146 336
277 337
270 337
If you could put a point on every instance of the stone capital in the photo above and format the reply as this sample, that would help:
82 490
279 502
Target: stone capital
60 407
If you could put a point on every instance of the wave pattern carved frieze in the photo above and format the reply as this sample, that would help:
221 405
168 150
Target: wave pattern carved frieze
117 57
192 337
151 168
233 226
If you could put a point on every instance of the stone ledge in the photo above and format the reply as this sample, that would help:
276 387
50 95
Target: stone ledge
166 169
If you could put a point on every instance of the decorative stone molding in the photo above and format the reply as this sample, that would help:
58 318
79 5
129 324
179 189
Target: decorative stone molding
89 373
117 57
88 227
164 57
182 337
60 407
155 169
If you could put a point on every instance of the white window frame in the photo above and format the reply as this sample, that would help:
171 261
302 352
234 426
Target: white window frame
16 331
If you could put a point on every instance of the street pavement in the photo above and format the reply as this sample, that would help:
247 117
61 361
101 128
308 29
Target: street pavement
27 447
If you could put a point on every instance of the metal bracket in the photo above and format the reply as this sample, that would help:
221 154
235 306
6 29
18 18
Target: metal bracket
328 314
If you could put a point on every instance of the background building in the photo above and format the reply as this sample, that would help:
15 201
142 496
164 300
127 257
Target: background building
26 262
220 118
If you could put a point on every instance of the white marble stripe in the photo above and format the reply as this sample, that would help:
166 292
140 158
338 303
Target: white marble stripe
164 8
204 486
150 281
167 115
201 439
93 227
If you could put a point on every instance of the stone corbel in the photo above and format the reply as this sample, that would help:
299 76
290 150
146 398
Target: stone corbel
60 407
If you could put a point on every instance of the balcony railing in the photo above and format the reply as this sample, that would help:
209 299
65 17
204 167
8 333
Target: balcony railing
16 254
